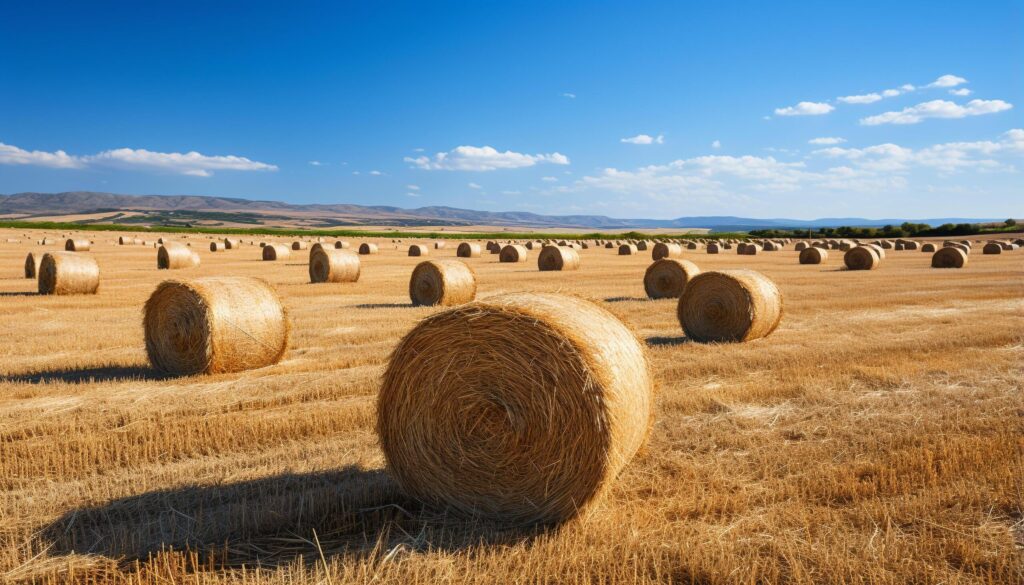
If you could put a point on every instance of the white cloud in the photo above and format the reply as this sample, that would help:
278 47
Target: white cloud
315 163
868 98
962 92
413 187
376 173
937 109
716 144
569 95
474 186
891 92
644 139
12 155
827 140
411 194
946 157
805 109
189 163
511 192
947 81
483 158
355 172
907 87
549 179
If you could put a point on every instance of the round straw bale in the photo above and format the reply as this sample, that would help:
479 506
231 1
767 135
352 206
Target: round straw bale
928 247
333 265
951 257
609 245
862 258
713 248
748 249
276 252
800 246
216 246
299 245
172 256
513 253
730 305
532 245
666 250
439 245
79 245
341 245
521 409
666 278
812 255
467 250
694 246
558 258
367 248
32 264
990 248
442 282
642 246
627 249
214 325
67 273
125 241
418 250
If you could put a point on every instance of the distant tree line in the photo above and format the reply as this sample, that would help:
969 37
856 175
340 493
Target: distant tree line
904 230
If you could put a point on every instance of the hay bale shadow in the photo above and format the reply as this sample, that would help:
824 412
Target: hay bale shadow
86 375
19 294
625 299
385 306
659 340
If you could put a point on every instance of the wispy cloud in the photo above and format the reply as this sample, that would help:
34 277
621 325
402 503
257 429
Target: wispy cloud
805 109
315 163
569 95
413 187
868 98
474 186
12 155
376 173
189 163
644 139
937 109
827 140
946 157
483 158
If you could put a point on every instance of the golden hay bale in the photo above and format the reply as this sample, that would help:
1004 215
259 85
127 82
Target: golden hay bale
230 244
341 245
641 246
73 245
666 250
513 253
299 245
878 250
333 265
748 249
532 245
125 241
367 248
67 273
990 248
173 256
418 250
966 249
730 305
951 257
812 255
442 282
521 409
467 250
862 258
558 258
666 278
609 245
276 252
694 246
713 248
214 325
929 247
216 246
800 246
439 245
627 249
32 264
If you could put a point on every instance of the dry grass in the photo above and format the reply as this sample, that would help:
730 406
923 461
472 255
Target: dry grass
876 437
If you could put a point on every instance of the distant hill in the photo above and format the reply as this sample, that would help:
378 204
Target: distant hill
201 210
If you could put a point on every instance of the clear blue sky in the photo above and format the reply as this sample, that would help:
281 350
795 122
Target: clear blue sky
628 109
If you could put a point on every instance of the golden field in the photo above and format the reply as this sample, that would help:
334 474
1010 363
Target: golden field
876 437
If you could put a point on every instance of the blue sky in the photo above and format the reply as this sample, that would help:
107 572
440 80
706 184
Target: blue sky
627 109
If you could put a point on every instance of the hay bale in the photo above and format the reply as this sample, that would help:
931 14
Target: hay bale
32 264
341 245
67 273
800 246
367 248
214 325
609 245
513 253
216 246
442 282
666 278
694 246
299 245
928 247
418 250
862 258
333 265
712 248
729 306
530 245
990 248
666 250
950 257
521 409
812 255
272 252
627 249
642 246
748 249
173 256
558 258
439 245
231 244
467 250
80 245
125 241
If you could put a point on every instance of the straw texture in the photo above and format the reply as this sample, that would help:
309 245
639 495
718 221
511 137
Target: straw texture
812 255
173 256
333 265
442 282
862 258
627 249
666 250
273 252
77 245
992 248
729 306
68 273
513 253
951 257
216 246
367 248
666 278
467 250
418 250
558 258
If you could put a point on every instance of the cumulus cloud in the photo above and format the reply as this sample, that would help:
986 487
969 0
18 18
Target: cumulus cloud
827 140
946 157
716 144
644 139
805 109
868 98
962 92
188 163
549 179
947 81
483 158
376 173
413 187
12 155
937 109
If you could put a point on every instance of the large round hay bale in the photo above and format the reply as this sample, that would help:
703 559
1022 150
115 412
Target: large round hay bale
713 248
666 250
174 256
990 248
442 282
748 249
77 245
928 247
216 246
862 258
341 245
67 273
125 241
367 248
439 245
949 257
333 265
812 255
299 245
530 245
694 246
558 258
272 252
627 249
800 246
877 248
609 245
730 305
214 325
418 250
32 264
467 250
521 409
666 278
513 253
231 244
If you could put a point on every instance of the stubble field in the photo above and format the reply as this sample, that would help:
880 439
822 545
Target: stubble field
876 437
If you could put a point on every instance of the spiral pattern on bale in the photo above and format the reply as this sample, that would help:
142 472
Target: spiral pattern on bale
812 255
558 258
333 265
272 252
32 262
666 250
862 258
173 256
467 250
68 273
951 257
729 306
77 245
513 253
418 250
367 248
214 325
442 282
627 249
666 278
521 409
